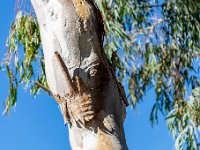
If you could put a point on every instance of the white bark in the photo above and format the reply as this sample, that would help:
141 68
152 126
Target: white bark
96 111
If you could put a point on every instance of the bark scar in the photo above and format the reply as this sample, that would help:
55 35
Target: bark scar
77 105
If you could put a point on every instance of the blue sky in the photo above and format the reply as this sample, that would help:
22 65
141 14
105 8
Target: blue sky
36 124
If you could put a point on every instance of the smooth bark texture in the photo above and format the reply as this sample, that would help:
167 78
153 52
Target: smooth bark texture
79 75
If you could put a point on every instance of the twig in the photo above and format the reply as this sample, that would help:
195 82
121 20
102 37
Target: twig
158 5
43 87
160 20
153 5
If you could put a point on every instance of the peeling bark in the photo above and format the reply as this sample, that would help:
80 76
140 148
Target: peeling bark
79 76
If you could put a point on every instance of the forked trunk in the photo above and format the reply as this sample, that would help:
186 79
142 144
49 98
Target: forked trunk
79 76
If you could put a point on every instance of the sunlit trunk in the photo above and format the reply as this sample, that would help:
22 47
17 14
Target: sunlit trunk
79 75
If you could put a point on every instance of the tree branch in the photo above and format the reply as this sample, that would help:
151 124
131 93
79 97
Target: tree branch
153 5
43 87
159 21
158 5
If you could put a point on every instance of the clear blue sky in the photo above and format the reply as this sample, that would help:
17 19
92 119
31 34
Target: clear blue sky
37 124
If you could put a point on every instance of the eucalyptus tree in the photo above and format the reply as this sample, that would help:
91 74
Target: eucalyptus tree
146 44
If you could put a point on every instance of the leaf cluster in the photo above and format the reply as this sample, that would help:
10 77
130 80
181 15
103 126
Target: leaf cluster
158 44
184 122
20 64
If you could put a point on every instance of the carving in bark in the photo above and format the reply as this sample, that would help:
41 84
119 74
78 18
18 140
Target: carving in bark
79 75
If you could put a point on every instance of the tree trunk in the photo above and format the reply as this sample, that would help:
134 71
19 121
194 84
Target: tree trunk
79 76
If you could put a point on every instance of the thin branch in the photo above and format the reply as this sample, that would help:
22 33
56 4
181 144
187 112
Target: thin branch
61 101
43 87
123 94
159 21
158 5
153 5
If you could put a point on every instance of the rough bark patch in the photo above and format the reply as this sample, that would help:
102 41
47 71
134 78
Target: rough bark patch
81 9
